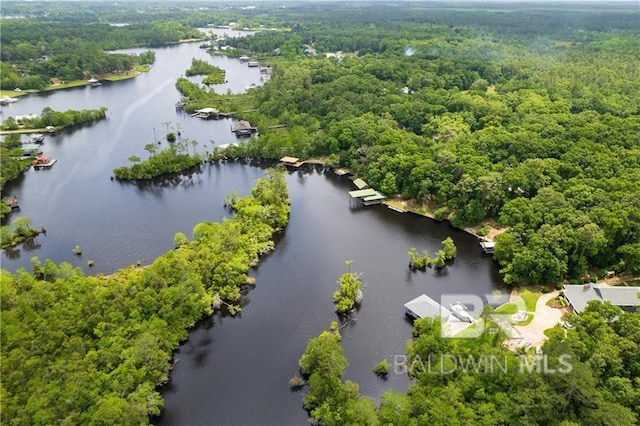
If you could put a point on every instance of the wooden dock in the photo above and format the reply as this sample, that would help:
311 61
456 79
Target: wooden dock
212 114
43 162
13 203
296 163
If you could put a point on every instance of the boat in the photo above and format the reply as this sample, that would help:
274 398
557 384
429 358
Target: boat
94 83
252 64
460 311
37 138
264 70
6 100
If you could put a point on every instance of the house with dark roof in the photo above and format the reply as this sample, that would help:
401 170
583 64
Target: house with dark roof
578 296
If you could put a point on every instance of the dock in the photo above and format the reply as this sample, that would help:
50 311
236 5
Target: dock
212 114
43 162
13 203
296 163
342 171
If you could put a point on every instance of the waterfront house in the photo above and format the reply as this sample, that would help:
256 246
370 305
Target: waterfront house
578 296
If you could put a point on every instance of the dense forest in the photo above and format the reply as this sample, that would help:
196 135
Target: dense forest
36 53
91 349
587 375
542 136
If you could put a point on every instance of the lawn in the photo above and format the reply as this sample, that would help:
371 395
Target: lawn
530 298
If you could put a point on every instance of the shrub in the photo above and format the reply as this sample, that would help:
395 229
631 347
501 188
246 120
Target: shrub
382 368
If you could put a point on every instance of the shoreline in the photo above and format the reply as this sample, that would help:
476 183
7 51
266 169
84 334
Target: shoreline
401 205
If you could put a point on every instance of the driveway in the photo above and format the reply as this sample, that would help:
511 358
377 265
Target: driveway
544 317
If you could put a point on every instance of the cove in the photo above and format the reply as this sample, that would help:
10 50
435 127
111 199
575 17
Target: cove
234 371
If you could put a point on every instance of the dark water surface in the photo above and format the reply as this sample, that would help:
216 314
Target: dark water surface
232 371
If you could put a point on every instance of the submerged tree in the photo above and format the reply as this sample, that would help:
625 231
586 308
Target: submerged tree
349 293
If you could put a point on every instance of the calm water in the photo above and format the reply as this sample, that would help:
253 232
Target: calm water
233 371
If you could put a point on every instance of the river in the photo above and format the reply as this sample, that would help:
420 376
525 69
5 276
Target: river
233 371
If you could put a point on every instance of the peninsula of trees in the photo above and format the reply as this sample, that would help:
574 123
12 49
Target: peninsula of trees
91 349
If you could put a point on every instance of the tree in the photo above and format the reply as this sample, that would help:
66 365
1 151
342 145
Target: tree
449 249
349 293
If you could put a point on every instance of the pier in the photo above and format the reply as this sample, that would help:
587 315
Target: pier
296 163
212 114
43 162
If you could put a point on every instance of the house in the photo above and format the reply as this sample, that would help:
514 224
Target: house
578 296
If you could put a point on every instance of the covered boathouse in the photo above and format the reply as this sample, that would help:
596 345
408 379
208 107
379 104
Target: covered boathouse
423 306
368 197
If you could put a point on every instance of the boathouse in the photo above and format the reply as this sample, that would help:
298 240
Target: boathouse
368 197
290 161
206 113
31 148
243 128
488 246
423 306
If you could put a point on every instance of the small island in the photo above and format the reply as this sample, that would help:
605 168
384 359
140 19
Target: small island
214 75
173 159
348 295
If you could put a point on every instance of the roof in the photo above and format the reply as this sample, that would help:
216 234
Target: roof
207 110
242 124
289 159
375 197
620 296
30 146
424 306
580 295
360 184
361 193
